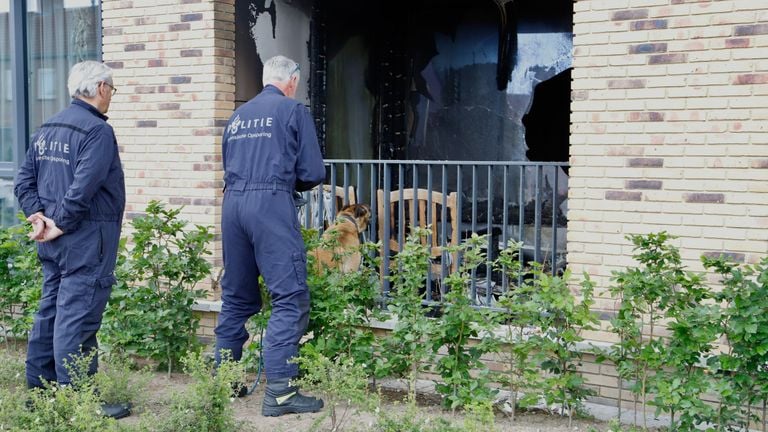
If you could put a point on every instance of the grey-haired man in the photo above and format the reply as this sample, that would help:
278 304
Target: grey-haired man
71 188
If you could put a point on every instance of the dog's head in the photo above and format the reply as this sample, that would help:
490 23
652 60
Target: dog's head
361 213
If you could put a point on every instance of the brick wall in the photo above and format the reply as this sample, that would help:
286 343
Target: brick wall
173 64
669 131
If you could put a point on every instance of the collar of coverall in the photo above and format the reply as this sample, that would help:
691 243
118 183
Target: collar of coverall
271 88
89 107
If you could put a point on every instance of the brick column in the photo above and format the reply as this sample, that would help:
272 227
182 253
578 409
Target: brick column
669 130
174 70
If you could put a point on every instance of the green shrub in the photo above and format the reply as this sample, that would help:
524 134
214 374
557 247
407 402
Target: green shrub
342 306
206 405
341 382
21 280
150 312
118 382
404 352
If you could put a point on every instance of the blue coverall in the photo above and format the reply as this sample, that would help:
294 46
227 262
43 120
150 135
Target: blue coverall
269 150
72 173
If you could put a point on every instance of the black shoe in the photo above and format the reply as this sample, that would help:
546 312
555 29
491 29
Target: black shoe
282 398
239 390
116 411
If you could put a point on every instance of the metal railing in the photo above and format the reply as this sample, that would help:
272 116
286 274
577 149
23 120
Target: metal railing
507 201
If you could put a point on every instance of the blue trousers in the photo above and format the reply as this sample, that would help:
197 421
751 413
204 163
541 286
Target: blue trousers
77 281
261 236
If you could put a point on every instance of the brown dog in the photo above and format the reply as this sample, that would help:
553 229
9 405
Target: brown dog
340 244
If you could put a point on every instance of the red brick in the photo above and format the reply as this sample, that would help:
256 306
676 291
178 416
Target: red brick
749 30
191 17
667 58
648 48
146 123
192 53
134 47
712 198
179 27
179 201
168 106
658 24
630 14
737 43
626 83
645 162
112 31
623 196
730 256
180 80
115 65
643 184
751 79
759 163
646 116
144 89
156 63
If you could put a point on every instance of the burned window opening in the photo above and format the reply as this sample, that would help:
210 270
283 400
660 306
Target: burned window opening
547 123
421 80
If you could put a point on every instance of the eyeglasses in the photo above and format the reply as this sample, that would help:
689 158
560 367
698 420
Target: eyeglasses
114 89
296 69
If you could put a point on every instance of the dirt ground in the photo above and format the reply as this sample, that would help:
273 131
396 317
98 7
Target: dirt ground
248 410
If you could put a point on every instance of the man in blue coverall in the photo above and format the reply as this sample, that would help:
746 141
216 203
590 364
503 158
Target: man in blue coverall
269 149
71 188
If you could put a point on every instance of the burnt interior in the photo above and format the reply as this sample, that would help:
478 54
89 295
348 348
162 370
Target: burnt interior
470 80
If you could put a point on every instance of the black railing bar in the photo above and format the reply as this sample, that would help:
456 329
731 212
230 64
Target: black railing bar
443 225
373 183
321 203
386 235
504 222
489 228
359 176
459 203
473 273
521 222
334 182
401 206
448 163
537 218
554 223
429 233
346 184
415 210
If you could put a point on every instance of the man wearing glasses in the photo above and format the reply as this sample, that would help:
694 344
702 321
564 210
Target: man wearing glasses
72 190
269 150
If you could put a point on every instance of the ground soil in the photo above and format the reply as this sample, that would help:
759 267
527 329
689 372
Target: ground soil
248 410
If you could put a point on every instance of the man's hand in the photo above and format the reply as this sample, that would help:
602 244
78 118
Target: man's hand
43 228
38 226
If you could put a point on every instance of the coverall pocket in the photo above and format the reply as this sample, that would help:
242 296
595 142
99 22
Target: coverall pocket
83 252
107 281
300 267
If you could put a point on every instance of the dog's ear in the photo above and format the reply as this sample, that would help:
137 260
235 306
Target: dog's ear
362 210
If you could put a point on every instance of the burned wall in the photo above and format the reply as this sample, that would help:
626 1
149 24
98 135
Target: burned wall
263 29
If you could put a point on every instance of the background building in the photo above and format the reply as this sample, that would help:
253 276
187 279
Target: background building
660 106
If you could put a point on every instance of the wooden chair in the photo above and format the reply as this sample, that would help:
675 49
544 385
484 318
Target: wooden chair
403 203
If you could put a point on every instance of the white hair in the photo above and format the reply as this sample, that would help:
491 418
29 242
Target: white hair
279 69
84 78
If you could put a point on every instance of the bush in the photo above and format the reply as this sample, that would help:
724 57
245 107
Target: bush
206 406
21 278
150 312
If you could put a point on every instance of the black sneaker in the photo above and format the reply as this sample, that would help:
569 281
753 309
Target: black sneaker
282 398
116 411
239 390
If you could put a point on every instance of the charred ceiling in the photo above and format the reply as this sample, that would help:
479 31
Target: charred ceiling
421 79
